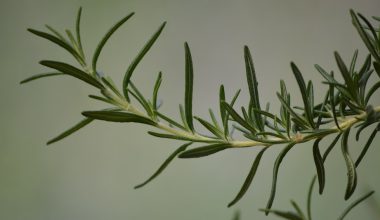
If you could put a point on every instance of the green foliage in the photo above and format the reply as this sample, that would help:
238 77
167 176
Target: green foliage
346 106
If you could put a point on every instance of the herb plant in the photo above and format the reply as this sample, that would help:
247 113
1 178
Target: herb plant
346 107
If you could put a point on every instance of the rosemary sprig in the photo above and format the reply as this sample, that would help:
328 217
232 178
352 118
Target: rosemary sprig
346 105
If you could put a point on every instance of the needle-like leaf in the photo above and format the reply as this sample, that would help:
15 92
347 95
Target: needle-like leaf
39 76
319 165
252 86
72 71
105 39
204 151
354 204
164 165
155 90
367 145
118 117
351 171
249 178
276 167
138 58
57 41
304 93
188 88
71 130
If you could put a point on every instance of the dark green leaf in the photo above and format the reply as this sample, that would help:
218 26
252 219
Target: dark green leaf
77 31
298 209
118 117
210 127
102 99
354 204
346 75
351 171
170 136
56 33
136 61
304 93
332 105
142 100
155 90
204 151
105 39
213 118
57 41
249 178
71 130
369 26
276 167
252 86
76 127
301 121
238 118
363 34
319 165
109 82
164 165
189 88
171 121
38 76
330 147
72 71
371 91
376 65
366 146
353 61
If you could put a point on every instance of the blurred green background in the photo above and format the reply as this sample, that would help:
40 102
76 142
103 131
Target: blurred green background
91 174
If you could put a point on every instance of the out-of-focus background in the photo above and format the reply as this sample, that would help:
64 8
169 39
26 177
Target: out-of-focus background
91 174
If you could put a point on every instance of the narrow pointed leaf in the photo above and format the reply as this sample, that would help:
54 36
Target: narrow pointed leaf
77 31
170 136
71 130
238 118
298 210
376 66
249 178
204 151
351 171
363 34
105 39
210 127
372 90
39 76
319 165
252 86
138 58
344 71
75 128
72 71
188 88
155 90
164 165
169 120
367 145
304 93
354 204
353 61
57 41
118 117
276 167
331 146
